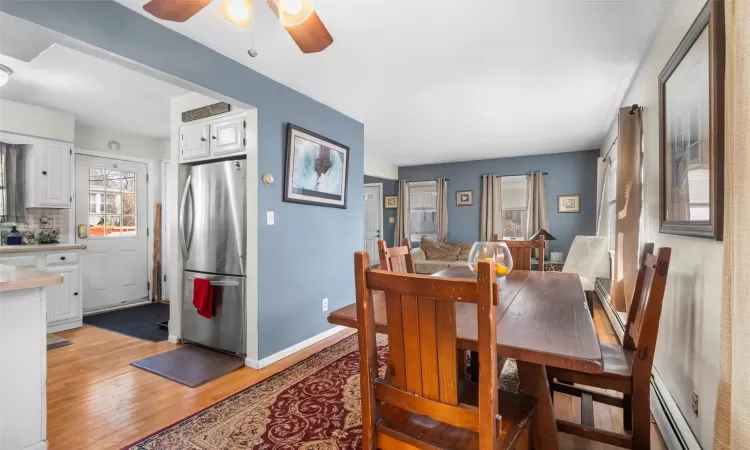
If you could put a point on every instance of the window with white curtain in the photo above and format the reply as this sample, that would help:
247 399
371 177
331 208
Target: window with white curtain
423 210
513 193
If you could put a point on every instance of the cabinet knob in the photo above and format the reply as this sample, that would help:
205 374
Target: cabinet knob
62 258
203 139
75 293
213 137
44 172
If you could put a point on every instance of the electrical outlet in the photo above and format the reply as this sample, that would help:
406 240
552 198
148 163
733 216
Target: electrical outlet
695 403
325 304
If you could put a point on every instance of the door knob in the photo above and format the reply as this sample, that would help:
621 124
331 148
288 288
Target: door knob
62 258
203 139
75 293
213 137
44 172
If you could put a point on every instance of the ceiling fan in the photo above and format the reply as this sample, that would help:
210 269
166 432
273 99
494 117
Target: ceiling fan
298 17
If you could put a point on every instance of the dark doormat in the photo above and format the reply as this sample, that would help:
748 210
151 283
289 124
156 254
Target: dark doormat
54 341
140 322
190 365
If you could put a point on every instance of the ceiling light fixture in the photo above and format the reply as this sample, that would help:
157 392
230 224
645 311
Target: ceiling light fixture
237 12
5 73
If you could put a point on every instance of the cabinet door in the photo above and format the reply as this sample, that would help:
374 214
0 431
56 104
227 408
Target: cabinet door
64 300
193 141
53 177
227 136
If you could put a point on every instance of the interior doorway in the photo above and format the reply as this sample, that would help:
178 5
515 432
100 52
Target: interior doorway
111 219
373 211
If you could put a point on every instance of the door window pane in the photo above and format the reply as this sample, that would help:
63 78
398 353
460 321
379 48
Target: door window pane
112 203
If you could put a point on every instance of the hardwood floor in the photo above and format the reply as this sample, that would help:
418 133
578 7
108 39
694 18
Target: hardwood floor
96 400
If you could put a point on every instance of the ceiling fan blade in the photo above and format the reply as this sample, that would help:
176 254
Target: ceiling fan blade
306 30
311 36
175 10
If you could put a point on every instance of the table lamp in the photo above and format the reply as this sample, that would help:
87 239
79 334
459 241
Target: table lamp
542 232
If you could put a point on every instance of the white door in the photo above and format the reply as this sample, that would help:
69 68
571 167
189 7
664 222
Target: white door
227 136
54 182
373 220
111 208
62 299
194 141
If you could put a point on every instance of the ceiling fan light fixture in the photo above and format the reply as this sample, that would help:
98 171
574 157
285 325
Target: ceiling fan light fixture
237 12
294 12
5 73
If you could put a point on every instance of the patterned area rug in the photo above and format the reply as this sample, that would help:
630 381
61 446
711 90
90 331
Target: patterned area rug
314 405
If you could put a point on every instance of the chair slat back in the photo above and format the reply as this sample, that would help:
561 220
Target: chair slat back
396 259
645 309
422 371
521 252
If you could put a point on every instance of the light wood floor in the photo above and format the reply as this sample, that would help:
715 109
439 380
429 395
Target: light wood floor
96 400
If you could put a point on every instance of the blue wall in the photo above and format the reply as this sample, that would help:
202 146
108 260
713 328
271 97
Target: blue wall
308 254
568 173
390 187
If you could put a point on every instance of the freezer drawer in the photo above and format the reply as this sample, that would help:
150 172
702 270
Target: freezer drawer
227 329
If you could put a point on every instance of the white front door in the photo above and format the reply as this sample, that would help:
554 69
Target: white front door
373 220
111 220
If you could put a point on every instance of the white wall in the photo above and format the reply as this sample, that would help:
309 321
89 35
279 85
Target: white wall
36 121
687 352
97 139
376 167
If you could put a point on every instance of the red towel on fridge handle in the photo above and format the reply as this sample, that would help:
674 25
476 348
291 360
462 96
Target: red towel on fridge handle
203 297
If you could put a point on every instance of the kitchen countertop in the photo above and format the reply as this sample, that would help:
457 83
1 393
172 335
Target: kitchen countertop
14 278
39 248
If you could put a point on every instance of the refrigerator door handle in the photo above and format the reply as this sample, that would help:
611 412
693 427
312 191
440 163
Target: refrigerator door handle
183 241
220 283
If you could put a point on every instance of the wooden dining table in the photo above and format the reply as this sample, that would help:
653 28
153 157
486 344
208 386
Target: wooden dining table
542 320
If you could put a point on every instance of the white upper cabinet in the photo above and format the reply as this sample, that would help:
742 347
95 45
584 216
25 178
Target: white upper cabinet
54 175
227 136
194 141
210 139
48 175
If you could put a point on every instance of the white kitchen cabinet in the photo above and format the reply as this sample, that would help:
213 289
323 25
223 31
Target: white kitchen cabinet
194 141
213 138
227 136
53 177
64 300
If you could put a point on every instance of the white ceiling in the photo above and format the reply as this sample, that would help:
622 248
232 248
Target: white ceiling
99 93
440 80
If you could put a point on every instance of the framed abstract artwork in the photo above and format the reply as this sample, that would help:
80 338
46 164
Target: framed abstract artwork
391 201
316 169
691 130
569 203
464 198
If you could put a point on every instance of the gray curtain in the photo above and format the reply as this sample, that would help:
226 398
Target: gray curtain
442 209
536 206
12 183
491 219
402 214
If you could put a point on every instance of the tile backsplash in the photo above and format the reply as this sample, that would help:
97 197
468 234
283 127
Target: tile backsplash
55 218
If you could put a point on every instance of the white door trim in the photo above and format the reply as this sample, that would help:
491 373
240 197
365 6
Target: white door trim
150 205
382 209
164 163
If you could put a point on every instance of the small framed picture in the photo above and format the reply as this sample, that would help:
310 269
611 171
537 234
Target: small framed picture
391 201
569 203
464 198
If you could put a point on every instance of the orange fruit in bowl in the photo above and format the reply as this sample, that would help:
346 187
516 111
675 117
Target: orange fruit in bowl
501 270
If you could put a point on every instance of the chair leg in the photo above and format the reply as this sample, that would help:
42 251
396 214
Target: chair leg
641 422
627 412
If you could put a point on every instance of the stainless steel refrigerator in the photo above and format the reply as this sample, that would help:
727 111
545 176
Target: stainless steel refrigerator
213 239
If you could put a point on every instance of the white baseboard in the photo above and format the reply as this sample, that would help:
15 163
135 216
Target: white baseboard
173 339
268 360
78 323
672 425
41 445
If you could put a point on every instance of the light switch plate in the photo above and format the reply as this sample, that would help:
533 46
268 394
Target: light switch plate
391 220
269 218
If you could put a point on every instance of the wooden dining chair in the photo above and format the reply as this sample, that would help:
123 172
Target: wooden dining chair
396 259
422 402
627 367
521 252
